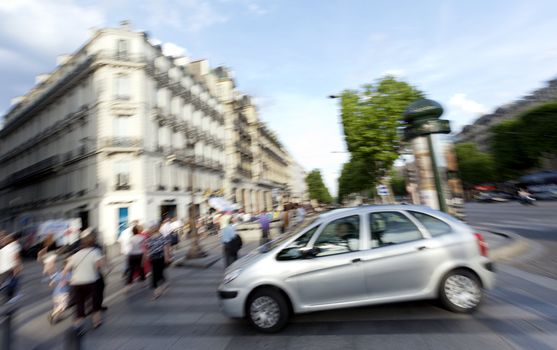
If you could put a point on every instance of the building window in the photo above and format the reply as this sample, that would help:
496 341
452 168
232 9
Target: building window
122 127
123 87
122 171
122 49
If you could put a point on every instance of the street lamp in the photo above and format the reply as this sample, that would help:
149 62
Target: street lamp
195 251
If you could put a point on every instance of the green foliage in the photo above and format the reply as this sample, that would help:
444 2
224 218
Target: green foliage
353 178
475 167
316 188
371 118
519 145
398 184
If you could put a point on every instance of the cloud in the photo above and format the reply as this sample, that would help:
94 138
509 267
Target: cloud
189 15
461 102
257 9
174 50
46 27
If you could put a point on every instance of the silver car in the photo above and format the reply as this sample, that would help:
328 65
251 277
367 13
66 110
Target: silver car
359 256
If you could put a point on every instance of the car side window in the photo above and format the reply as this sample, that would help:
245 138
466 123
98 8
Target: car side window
339 236
295 249
433 225
388 228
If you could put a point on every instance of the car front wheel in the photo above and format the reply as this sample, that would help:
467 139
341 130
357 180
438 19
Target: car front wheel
268 311
461 291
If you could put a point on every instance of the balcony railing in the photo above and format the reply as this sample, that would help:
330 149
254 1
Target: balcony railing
120 56
122 142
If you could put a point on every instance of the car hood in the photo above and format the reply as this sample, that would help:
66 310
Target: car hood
251 258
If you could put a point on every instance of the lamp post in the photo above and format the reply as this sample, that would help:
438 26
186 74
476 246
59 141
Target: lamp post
195 251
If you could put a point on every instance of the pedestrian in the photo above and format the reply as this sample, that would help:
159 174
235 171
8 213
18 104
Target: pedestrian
10 266
135 257
159 255
165 227
100 284
124 241
230 240
176 226
265 224
60 282
146 261
285 218
300 214
84 266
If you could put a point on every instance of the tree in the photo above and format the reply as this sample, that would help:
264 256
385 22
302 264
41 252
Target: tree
316 188
371 118
353 179
475 167
520 144
398 184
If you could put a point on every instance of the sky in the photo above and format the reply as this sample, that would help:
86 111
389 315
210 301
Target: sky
471 56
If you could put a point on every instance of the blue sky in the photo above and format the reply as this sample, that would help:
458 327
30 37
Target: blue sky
471 56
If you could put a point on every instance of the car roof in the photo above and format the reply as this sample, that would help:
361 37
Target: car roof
368 208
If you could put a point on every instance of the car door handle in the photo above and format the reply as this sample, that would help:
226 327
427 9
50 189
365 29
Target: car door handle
422 248
356 260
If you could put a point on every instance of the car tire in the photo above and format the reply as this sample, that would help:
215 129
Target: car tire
267 310
461 291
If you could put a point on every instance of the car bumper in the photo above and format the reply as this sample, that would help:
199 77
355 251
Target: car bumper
231 302
487 274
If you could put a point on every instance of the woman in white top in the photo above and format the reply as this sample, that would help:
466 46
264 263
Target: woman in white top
135 256
10 265
85 265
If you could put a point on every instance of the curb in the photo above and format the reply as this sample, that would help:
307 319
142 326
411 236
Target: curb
518 246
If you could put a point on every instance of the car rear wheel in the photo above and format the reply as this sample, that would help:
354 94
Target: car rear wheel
268 311
461 291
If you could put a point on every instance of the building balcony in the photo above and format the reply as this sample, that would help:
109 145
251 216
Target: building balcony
31 174
121 56
162 79
122 142
244 172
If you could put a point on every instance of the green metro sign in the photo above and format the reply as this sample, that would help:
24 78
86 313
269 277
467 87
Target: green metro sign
422 118
425 127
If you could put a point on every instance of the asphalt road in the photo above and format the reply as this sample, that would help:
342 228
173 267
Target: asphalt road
521 313
536 223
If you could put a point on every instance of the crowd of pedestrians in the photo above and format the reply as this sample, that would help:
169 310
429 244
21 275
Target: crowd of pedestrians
77 273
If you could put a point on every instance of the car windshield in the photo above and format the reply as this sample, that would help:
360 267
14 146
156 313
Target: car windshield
280 239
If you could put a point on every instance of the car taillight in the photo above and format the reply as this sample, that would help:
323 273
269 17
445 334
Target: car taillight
482 244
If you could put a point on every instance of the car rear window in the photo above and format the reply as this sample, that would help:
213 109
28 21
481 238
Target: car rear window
435 226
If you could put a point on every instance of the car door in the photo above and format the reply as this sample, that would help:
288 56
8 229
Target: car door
332 274
399 262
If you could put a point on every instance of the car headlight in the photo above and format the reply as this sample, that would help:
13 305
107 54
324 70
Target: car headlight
231 276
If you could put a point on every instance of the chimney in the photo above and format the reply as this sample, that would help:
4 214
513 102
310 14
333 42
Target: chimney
125 25
41 78
181 61
62 59
16 100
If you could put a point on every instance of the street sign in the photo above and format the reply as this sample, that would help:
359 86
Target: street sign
426 127
382 190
